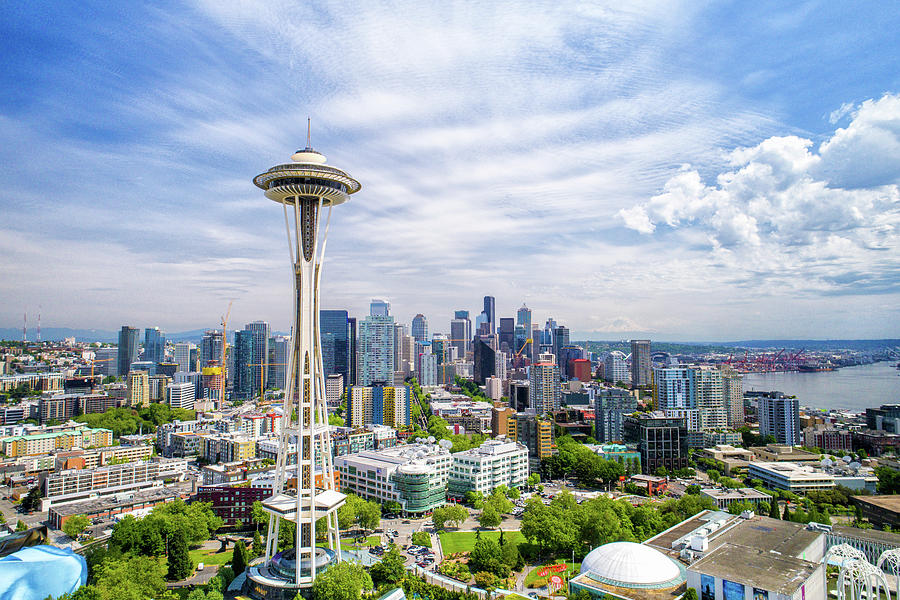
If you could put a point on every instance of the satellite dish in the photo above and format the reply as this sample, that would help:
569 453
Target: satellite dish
446 444
827 462
855 465
846 459
430 439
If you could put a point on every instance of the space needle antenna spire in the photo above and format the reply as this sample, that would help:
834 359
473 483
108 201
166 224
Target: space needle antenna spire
308 131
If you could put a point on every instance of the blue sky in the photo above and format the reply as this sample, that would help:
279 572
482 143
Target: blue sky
682 170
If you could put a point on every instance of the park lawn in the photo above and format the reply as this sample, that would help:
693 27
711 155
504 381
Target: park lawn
350 544
533 580
464 541
210 557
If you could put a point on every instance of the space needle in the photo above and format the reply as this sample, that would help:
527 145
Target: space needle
307 190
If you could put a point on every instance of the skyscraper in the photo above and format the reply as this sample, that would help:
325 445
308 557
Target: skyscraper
379 308
461 332
210 348
128 348
733 394
523 320
507 332
354 352
242 373
419 328
182 356
154 344
307 188
641 369
279 351
490 311
710 400
426 365
610 407
484 361
334 329
260 356
376 350
560 340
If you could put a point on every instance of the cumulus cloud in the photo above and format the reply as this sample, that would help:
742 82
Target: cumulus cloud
785 207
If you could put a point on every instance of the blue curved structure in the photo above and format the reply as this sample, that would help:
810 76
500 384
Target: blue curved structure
40 571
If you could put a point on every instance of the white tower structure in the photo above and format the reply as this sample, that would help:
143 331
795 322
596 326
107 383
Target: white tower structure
307 189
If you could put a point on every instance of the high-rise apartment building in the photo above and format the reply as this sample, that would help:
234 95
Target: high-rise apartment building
154 344
536 433
461 332
182 356
484 361
379 405
440 347
641 368
181 395
544 387
128 348
354 352
259 330
419 328
615 369
137 391
403 351
673 388
334 330
242 372
733 395
376 350
779 416
379 308
692 392
426 366
611 406
710 399
106 361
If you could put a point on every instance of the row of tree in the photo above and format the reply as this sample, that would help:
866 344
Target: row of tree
128 421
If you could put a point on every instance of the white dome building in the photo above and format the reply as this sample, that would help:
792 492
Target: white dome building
628 569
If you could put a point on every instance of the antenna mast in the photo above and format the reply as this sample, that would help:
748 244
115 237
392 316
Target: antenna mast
25 326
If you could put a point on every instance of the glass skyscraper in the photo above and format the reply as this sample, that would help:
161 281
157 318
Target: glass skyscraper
334 331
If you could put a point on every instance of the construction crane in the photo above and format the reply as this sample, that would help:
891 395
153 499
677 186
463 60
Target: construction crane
224 321
527 341
261 378
94 360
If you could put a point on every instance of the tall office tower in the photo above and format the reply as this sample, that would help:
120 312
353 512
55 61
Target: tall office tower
641 368
507 333
549 334
611 405
484 361
544 389
461 332
334 329
440 346
211 347
490 311
615 369
242 372
260 356
733 393
106 361
419 328
674 388
354 352
710 399
128 348
379 405
560 340
376 350
183 356
154 344
780 417
426 366
536 349
194 363
564 357
379 308
281 349
523 320
399 334
309 189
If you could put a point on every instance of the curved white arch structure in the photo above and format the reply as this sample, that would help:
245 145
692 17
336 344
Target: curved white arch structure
860 579
889 562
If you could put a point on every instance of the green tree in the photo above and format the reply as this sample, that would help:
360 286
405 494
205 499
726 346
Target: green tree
389 570
489 517
487 556
32 501
343 581
693 489
75 525
2 518
421 538
368 515
21 526
712 474
179 561
485 580
690 594
258 514
240 558
786 515
131 578
533 480
888 480
773 509
499 502
257 544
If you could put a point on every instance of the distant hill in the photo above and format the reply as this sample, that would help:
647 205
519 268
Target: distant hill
703 347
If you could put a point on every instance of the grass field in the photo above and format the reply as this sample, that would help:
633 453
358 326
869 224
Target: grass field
464 541
534 580
349 544
210 557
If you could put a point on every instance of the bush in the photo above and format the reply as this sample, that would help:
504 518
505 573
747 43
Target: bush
421 538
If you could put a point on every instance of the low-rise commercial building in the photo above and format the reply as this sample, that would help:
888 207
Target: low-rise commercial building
783 453
119 504
232 504
728 460
80 436
496 462
791 477
415 475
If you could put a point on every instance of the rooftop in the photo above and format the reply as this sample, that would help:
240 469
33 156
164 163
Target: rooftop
891 503
156 494
756 567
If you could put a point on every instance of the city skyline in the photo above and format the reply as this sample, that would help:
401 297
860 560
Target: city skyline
666 171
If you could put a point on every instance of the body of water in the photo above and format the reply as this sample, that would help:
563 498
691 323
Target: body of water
853 388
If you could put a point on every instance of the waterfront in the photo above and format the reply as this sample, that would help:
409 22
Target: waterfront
854 388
